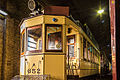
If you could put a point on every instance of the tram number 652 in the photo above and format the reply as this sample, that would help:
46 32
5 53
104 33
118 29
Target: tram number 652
33 71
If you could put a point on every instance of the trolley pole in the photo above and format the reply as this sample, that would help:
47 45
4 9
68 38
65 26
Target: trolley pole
115 37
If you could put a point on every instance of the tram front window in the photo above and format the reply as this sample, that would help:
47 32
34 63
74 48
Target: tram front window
54 37
34 38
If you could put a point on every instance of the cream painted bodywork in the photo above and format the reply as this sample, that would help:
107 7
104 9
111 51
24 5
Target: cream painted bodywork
54 63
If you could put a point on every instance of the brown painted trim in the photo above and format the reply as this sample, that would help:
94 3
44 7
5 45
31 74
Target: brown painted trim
32 28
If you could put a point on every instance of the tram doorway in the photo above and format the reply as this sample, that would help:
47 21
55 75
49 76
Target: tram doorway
71 46
71 54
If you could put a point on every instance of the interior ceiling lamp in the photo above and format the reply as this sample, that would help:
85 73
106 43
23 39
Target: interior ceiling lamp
3 13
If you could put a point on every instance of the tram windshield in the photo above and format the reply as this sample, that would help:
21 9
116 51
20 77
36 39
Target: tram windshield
34 38
54 37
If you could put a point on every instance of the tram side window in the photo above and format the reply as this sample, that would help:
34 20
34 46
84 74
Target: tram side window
53 37
89 52
34 38
93 55
23 38
71 46
97 57
84 49
88 45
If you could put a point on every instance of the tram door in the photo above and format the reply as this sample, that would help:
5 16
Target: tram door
70 53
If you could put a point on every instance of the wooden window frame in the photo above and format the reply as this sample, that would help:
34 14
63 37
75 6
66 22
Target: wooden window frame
22 45
31 28
72 36
56 25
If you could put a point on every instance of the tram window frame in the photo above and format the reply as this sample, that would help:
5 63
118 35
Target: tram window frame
97 57
88 51
93 55
71 44
22 42
84 50
38 41
46 44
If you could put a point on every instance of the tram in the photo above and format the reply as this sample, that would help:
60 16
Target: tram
53 45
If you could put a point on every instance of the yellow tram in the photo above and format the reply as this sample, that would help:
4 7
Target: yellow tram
54 46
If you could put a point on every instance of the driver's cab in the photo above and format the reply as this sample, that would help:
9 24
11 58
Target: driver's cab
50 46
43 46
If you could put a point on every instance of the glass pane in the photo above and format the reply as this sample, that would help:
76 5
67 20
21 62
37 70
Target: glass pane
71 50
34 36
32 44
31 39
84 49
40 44
53 37
23 37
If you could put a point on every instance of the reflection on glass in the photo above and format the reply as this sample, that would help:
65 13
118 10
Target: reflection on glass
53 38
34 38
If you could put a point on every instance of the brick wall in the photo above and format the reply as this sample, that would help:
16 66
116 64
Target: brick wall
12 49
11 62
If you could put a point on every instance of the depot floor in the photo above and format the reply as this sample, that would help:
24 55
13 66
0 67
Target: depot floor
105 76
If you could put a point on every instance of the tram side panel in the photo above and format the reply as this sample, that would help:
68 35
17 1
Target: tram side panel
34 65
22 65
89 64
55 66
72 50
87 67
